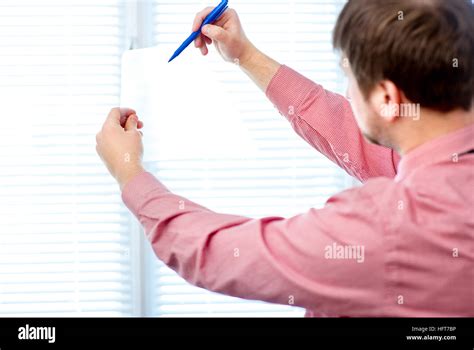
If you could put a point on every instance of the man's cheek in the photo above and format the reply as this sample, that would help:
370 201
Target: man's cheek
360 115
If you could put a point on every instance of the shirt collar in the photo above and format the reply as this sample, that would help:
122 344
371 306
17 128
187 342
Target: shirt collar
447 147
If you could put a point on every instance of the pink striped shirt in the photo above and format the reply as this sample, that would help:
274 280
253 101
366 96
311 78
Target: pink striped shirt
400 245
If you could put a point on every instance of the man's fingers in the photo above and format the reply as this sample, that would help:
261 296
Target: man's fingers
132 123
204 49
125 113
215 32
200 16
119 116
113 117
202 40
198 41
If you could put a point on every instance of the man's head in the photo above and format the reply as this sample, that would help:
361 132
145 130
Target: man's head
403 57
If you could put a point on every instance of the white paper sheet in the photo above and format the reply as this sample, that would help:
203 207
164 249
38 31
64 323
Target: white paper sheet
188 113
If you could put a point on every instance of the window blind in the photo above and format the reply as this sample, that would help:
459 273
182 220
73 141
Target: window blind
64 235
285 176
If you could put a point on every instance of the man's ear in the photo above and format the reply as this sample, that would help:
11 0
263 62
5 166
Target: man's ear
385 99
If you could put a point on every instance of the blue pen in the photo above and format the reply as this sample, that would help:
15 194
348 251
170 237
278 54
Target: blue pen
211 18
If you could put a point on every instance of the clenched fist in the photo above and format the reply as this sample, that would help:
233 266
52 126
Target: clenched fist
120 146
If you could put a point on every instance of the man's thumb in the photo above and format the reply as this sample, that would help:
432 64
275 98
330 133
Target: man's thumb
214 32
132 122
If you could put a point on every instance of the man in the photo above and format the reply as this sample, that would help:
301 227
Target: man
400 245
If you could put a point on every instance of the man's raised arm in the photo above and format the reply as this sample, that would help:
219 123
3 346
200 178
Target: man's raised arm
322 118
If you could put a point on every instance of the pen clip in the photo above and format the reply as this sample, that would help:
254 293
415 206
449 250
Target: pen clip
221 12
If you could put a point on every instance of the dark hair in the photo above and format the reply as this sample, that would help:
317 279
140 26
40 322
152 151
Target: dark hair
425 47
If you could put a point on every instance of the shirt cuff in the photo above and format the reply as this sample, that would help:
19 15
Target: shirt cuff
288 89
137 190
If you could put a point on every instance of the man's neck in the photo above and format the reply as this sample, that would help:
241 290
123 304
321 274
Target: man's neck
431 126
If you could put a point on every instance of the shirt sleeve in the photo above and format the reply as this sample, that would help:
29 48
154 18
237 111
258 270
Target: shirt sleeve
294 261
325 120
